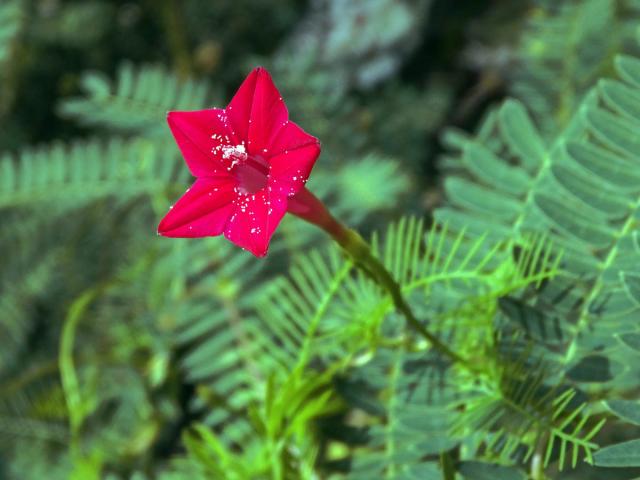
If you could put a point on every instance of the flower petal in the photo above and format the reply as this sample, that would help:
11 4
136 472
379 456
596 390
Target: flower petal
290 169
200 134
254 220
202 211
289 137
257 111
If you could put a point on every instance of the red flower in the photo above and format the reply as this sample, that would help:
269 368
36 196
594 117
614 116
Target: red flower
248 160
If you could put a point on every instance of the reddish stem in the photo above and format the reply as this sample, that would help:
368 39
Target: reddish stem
311 209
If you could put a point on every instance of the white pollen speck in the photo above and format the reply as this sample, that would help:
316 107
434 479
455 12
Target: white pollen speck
253 230
235 153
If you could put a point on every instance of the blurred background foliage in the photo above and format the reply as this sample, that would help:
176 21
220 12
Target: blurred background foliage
129 356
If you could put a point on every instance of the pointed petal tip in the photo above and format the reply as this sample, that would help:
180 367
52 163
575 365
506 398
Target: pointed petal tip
173 114
177 115
162 229
261 71
166 235
258 254
171 118
202 211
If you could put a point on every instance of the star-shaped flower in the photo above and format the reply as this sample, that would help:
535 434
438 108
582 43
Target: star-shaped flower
248 160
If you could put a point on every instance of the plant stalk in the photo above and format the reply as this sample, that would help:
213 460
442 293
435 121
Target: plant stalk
308 207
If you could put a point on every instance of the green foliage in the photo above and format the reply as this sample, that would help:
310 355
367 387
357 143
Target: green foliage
581 189
625 454
10 23
305 318
129 356
75 174
66 26
363 186
363 44
565 48
137 101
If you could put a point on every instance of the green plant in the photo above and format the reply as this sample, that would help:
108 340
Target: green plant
129 356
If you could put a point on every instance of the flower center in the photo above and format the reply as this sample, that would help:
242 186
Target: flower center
250 171
236 153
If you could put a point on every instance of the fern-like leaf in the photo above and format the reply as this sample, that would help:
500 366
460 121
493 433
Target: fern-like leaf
83 171
581 188
137 101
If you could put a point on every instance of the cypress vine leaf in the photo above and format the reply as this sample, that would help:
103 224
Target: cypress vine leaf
592 368
626 410
625 454
631 340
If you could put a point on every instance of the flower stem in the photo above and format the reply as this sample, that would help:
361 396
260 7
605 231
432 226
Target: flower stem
360 252
310 208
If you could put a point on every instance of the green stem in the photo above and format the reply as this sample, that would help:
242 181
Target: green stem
447 465
360 251
308 207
